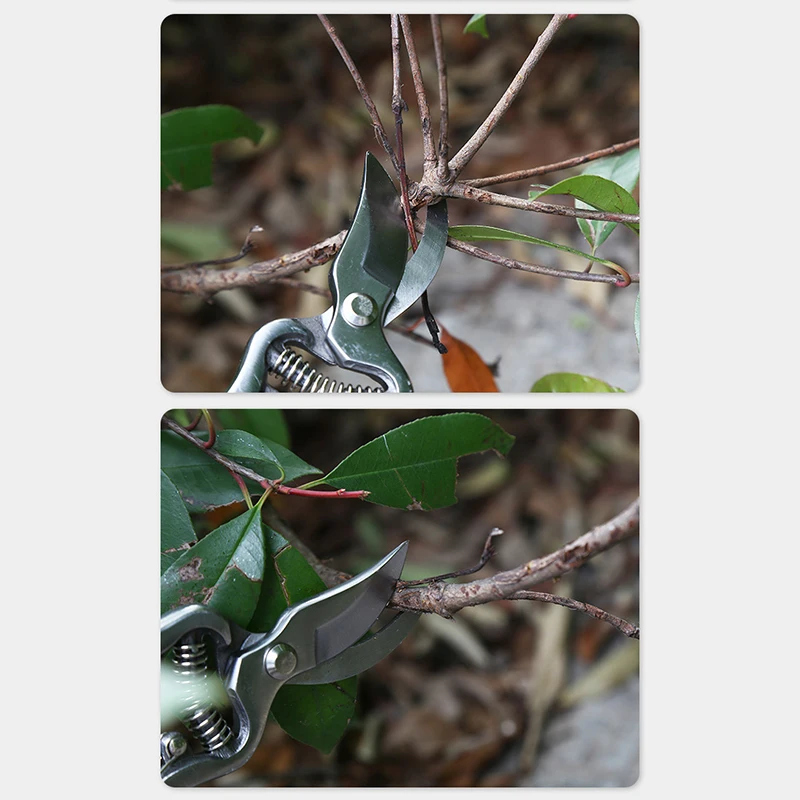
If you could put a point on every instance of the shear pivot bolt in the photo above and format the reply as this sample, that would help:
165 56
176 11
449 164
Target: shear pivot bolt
173 744
280 661
359 310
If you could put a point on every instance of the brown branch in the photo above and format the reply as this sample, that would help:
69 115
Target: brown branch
398 106
442 152
380 131
446 599
197 280
465 192
466 153
428 147
488 552
576 605
523 174
539 269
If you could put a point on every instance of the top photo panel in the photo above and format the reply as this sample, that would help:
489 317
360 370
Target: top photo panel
398 203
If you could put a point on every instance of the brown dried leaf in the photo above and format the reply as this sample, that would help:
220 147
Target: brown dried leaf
464 369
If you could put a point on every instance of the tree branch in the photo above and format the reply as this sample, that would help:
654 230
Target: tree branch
523 174
428 147
446 599
466 153
576 605
539 269
197 280
442 153
380 131
465 192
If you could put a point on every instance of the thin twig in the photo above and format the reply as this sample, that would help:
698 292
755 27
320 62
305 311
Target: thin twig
488 552
380 131
524 174
576 605
246 472
428 147
539 269
442 152
398 106
208 282
466 153
246 248
445 599
465 192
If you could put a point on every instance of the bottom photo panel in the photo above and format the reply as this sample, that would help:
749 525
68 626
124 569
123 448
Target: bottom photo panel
399 598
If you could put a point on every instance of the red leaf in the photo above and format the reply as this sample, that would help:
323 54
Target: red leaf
464 369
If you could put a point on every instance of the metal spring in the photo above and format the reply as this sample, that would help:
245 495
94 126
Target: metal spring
206 724
298 373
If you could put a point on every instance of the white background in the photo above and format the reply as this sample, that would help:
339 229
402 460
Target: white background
717 403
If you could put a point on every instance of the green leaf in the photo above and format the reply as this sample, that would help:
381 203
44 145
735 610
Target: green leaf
624 171
599 193
636 322
571 382
315 715
177 533
266 423
477 24
267 458
477 233
414 466
224 570
187 136
203 483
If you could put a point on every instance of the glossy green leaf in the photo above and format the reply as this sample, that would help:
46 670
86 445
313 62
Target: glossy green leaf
267 458
414 466
205 484
624 171
224 570
187 138
477 233
597 192
571 382
314 715
477 24
266 423
177 533
202 482
636 322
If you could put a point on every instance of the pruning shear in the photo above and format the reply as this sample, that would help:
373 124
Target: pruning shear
319 640
371 284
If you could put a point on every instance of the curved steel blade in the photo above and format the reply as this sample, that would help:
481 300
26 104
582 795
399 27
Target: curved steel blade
362 655
422 267
377 241
328 623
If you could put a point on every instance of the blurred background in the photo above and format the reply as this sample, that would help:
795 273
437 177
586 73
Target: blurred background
302 183
512 693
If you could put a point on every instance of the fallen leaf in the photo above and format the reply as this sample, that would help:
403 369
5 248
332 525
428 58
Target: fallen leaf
464 369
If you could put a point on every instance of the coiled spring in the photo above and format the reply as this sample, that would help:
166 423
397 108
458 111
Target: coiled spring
298 374
198 714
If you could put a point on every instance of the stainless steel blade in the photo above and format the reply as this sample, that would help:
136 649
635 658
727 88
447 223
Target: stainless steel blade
362 655
377 241
422 267
324 625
